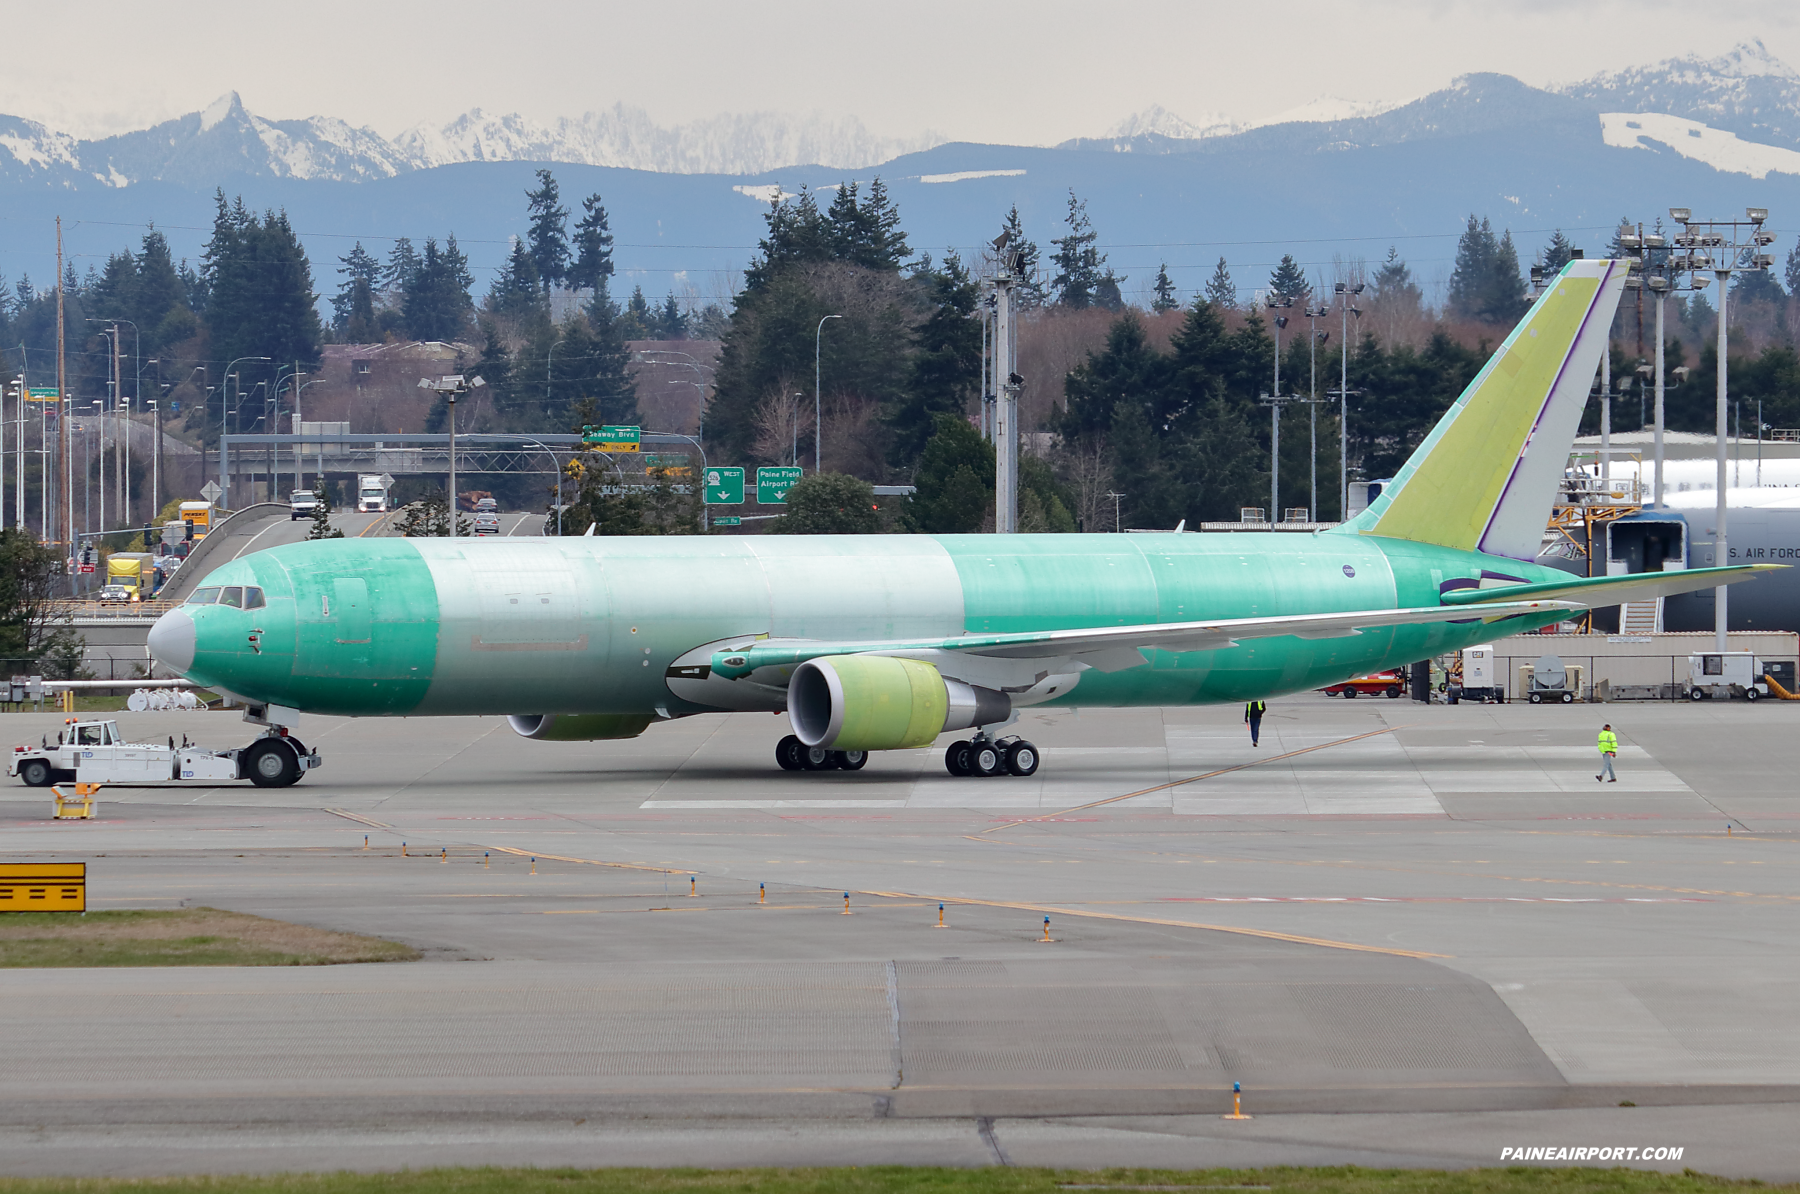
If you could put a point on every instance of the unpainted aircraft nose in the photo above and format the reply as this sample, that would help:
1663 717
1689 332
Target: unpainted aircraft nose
172 641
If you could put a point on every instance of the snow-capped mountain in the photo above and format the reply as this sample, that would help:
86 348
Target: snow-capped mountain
226 140
746 143
1747 91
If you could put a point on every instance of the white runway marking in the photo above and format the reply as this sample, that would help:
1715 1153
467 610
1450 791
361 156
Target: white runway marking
698 805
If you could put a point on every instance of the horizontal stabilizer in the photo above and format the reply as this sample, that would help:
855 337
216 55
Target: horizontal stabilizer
1597 591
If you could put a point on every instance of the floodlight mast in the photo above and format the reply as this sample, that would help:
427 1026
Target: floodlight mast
450 386
1344 294
1006 412
1721 248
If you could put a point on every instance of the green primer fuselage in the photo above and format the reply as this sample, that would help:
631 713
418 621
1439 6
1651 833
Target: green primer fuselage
424 627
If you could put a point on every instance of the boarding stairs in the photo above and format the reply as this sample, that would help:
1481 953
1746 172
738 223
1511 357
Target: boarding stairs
1641 617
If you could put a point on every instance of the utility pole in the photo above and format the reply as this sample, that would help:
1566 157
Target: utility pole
1006 413
64 412
118 412
1345 293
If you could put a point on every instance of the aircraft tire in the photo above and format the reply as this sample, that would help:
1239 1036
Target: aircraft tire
986 759
817 758
850 760
1022 758
787 753
956 759
270 763
37 773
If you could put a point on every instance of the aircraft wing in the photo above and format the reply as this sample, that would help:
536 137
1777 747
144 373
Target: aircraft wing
1111 648
1589 592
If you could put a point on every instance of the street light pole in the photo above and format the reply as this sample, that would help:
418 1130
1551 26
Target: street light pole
224 413
818 421
1344 293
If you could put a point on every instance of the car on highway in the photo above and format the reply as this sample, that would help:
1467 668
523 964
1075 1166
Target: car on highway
1391 683
486 505
302 503
487 523
116 594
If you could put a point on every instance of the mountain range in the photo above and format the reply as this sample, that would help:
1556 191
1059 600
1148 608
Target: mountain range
1345 179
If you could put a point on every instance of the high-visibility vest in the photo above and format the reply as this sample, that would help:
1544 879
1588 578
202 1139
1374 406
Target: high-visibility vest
1609 742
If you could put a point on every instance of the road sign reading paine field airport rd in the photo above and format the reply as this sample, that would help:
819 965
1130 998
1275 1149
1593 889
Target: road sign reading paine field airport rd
772 484
612 439
724 486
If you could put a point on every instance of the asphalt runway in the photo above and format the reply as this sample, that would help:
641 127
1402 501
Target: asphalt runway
1416 935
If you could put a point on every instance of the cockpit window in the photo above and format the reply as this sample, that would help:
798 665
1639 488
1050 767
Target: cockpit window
253 598
232 595
203 597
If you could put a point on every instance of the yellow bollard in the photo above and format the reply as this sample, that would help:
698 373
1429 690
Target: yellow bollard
1237 1103
846 903
762 893
1046 930
940 923
365 841
693 889
445 857
534 866
484 860
403 849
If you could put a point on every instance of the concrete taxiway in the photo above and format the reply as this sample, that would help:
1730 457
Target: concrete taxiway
1416 935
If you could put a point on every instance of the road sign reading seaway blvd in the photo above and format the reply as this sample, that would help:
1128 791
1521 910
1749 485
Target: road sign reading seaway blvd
772 484
724 486
612 439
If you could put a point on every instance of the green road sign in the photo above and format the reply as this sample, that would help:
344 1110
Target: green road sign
728 520
772 484
724 486
668 460
41 394
612 439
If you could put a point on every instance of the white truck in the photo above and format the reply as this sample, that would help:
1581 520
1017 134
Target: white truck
95 752
372 493
1725 674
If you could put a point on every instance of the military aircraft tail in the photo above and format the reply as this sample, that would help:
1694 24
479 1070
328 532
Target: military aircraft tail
1485 478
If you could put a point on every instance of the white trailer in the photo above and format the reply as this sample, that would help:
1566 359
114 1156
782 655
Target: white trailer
1725 674
95 752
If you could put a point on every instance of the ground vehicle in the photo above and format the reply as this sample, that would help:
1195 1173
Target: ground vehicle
486 505
1392 683
198 517
371 493
302 503
116 594
1725 674
487 523
95 752
134 571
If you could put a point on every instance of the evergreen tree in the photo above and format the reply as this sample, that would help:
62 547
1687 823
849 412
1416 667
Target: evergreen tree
517 290
359 265
1043 503
795 232
593 248
885 245
954 484
359 328
260 289
1287 284
946 369
547 235
1485 284
671 321
1793 274
637 323
1393 281
1028 295
829 504
435 301
321 517
1166 299
24 293
1221 291
1557 253
402 261
1077 260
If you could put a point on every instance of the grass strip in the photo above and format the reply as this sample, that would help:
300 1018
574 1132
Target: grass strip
894 1179
180 937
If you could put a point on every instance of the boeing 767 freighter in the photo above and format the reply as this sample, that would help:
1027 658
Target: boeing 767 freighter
873 643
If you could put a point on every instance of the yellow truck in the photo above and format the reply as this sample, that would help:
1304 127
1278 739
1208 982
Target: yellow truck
130 576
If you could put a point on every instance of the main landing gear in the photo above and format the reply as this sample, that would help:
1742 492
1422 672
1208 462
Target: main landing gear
795 755
982 755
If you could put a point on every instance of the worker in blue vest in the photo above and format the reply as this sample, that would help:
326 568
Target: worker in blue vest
1253 715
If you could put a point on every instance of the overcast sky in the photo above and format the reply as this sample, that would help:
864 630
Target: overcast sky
1016 71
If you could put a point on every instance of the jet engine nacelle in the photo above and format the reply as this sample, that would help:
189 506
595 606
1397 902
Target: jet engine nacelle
875 702
577 727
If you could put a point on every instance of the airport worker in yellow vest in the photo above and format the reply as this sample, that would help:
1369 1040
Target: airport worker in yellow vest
1609 746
